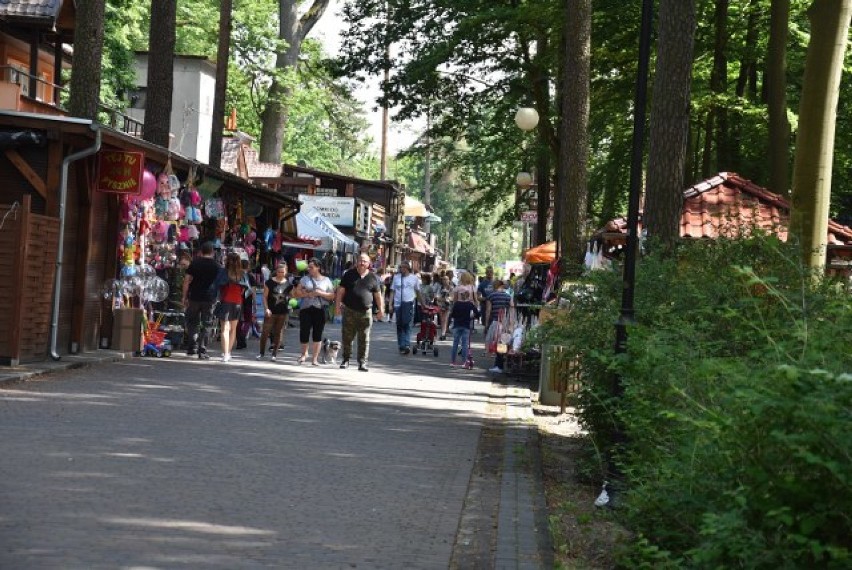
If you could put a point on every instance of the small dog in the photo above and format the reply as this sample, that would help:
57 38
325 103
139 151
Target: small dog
329 350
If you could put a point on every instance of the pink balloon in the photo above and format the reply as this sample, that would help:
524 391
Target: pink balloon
149 185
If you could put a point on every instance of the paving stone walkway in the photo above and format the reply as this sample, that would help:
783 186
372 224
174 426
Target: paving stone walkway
111 461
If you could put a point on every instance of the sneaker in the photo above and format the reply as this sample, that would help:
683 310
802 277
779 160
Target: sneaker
362 366
453 364
272 358
260 357
190 352
344 364
203 356
226 358
496 370
406 350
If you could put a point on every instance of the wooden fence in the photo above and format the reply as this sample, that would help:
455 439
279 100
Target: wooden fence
26 291
563 374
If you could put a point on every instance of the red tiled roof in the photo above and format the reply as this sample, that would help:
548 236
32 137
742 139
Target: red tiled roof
258 169
231 148
726 203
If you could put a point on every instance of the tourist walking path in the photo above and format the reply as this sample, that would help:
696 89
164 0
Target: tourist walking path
178 463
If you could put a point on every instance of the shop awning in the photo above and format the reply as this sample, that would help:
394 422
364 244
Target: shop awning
345 243
300 244
414 208
544 253
307 229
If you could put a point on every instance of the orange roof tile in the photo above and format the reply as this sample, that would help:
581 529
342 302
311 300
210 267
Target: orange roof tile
724 204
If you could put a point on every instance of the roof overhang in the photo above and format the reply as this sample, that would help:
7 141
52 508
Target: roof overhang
82 131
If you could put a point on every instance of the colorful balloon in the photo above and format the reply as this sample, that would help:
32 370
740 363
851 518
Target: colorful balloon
149 185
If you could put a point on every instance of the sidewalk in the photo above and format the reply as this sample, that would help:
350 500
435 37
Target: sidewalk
503 523
22 372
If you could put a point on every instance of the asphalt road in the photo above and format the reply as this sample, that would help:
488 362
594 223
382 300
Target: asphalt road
176 463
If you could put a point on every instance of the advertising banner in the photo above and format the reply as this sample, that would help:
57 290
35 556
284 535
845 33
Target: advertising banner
120 172
336 211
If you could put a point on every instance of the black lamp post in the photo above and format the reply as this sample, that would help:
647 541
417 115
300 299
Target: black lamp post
627 315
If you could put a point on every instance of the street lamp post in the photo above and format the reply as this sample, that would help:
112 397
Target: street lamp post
526 118
627 315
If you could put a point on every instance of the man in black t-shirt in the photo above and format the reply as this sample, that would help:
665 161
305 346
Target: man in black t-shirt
199 295
359 288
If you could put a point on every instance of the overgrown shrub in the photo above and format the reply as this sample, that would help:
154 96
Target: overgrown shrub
737 407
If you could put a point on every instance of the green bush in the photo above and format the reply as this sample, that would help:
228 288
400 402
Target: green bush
737 406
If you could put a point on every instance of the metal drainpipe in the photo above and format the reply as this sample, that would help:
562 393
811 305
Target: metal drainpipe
63 195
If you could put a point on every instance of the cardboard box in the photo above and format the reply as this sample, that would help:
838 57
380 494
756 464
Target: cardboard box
127 330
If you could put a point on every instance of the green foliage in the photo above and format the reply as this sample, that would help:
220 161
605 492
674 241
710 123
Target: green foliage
122 35
735 409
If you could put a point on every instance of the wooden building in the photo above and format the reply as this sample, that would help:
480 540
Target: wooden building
38 203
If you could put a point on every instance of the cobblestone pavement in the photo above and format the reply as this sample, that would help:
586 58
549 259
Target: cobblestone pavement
177 463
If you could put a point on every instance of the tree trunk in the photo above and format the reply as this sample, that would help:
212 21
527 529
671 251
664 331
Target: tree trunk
716 122
817 120
574 132
719 85
542 103
161 60
748 63
292 32
776 92
669 120
215 156
88 47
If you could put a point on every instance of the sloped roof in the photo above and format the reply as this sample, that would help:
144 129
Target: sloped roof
258 169
724 204
231 148
32 11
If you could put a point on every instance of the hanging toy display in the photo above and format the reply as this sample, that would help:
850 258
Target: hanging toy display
249 241
214 208
192 215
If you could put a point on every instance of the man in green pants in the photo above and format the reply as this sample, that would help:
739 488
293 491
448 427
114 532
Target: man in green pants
359 288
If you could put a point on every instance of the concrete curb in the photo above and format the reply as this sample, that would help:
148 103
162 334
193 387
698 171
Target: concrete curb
21 373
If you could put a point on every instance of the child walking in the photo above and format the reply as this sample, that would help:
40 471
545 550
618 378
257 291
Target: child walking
463 313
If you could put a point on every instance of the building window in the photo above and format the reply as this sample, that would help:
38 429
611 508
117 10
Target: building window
332 192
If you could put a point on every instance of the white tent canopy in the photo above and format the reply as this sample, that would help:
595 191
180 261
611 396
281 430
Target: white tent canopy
306 228
345 242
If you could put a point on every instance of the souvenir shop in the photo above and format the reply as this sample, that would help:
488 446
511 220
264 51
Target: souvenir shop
162 226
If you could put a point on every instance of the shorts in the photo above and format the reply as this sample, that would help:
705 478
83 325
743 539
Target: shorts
228 311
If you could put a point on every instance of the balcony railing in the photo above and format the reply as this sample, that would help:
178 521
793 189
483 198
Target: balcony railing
15 95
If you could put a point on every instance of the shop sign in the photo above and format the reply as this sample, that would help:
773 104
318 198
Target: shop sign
120 171
336 211
529 216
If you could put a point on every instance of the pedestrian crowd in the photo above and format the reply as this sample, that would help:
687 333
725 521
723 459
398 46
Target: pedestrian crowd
219 300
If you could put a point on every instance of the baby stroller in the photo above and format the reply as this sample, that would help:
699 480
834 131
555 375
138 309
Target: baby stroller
428 331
